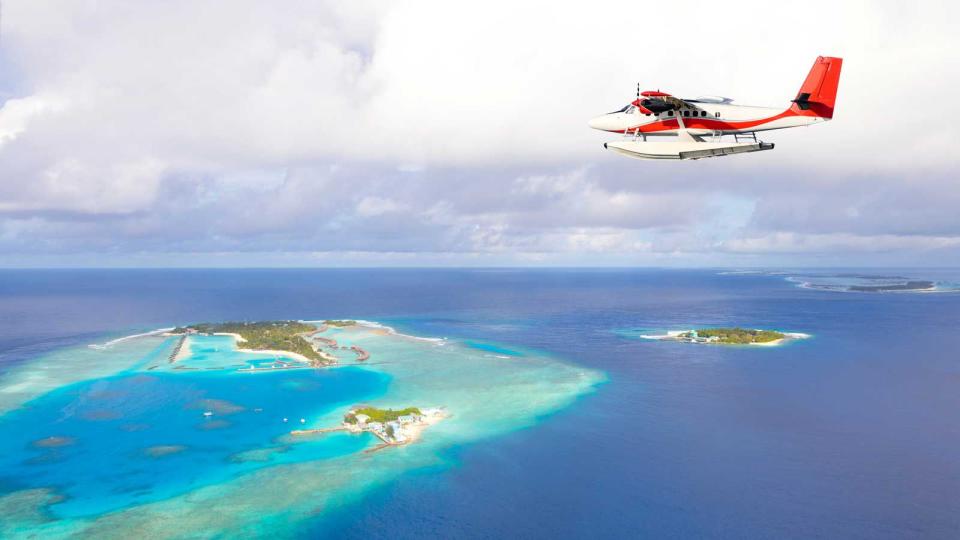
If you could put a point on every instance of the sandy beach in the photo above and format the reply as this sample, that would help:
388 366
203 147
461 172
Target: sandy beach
238 337
789 336
669 334
415 431
285 354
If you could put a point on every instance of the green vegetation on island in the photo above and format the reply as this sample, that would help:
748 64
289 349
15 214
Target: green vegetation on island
340 323
907 286
735 336
265 335
379 415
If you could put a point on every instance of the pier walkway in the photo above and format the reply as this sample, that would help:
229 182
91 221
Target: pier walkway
176 349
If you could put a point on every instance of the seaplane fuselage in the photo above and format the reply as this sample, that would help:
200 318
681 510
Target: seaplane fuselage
711 118
698 125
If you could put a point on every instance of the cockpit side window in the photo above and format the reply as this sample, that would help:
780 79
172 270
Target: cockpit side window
624 109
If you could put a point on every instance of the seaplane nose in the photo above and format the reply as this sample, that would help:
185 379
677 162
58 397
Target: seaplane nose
598 122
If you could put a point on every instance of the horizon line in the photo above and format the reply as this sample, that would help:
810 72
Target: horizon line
487 267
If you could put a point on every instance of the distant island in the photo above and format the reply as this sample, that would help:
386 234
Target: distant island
728 336
913 285
857 282
392 427
340 323
279 337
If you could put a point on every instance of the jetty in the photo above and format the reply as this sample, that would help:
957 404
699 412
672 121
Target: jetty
361 354
380 446
176 349
319 430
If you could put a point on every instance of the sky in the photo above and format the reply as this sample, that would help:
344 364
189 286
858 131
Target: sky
447 133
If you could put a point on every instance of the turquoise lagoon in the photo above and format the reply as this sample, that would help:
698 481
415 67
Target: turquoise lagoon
112 441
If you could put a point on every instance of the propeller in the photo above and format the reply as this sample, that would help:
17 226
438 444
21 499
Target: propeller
641 103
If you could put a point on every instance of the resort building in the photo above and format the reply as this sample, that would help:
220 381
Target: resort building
409 418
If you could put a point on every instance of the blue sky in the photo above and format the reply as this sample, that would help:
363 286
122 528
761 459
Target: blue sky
454 134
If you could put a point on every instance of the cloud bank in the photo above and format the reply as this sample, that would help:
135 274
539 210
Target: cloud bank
454 133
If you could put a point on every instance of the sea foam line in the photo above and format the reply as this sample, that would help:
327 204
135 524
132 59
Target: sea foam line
390 330
669 334
125 338
393 331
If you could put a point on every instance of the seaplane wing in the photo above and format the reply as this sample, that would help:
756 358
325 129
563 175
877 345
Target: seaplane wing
695 128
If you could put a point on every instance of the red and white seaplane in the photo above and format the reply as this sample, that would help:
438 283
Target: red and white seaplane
696 126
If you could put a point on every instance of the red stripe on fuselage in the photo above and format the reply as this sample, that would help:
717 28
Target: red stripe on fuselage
706 122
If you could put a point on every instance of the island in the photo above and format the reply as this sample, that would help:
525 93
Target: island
392 427
911 285
340 323
212 433
729 336
280 337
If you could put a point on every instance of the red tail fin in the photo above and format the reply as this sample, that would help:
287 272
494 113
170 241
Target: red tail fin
819 91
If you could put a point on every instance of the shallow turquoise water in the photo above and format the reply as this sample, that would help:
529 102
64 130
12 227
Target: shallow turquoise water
201 446
490 347
143 436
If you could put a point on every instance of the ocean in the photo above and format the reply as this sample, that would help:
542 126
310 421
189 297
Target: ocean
565 424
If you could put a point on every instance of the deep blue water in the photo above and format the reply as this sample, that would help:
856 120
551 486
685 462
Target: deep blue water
852 434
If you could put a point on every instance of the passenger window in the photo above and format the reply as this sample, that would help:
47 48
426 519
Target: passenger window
686 113
669 113
703 113
718 114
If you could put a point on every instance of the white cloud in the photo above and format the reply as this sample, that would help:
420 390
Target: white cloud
433 126
375 206
789 242
16 114
462 83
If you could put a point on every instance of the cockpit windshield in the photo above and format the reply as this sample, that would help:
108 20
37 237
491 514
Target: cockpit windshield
628 108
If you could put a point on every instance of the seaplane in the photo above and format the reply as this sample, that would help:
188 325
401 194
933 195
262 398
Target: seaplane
695 128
